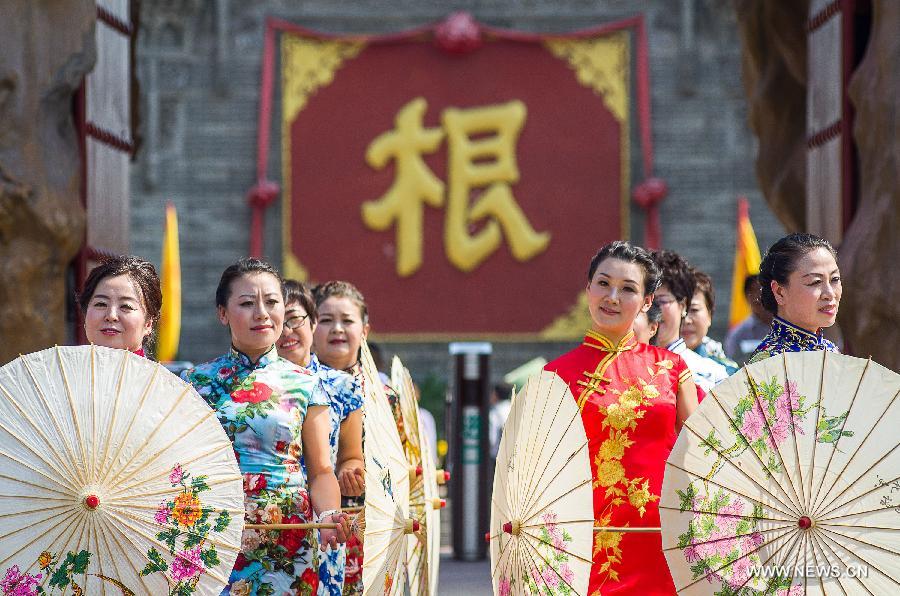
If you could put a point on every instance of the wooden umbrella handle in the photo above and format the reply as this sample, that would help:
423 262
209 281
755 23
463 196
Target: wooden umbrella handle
291 526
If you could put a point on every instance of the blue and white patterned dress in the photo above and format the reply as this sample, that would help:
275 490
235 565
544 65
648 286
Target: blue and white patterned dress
262 406
345 395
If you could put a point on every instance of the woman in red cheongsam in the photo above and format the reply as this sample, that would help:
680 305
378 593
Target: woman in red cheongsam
633 400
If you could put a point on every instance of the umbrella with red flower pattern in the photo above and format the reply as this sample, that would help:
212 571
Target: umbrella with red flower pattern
115 477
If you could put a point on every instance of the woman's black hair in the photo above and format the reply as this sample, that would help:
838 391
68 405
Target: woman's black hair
343 289
242 267
297 291
141 272
676 274
703 284
654 313
625 251
781 260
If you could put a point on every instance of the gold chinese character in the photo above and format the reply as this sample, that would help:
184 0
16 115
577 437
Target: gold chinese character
481 157
414 183
482 144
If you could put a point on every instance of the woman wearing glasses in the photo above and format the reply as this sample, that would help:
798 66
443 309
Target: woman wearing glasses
274 412
345 438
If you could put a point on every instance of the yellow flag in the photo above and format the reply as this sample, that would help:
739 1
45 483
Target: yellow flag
170 319
746 262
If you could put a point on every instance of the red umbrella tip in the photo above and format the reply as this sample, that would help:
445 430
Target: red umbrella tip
446 476
416 525
443 503
418 470
92 501
805 523
487 536
507 527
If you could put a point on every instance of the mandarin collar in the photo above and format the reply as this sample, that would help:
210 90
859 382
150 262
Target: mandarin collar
244 360
787 330
601 342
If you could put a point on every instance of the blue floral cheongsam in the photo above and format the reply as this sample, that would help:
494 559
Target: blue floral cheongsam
345 396
787 337
262 405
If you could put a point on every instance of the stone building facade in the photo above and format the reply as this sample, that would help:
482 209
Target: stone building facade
199 67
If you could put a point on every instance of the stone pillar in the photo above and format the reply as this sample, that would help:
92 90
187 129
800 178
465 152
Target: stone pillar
48 48
870 313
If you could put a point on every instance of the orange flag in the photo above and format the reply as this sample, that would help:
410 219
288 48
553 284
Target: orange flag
746 262
170 318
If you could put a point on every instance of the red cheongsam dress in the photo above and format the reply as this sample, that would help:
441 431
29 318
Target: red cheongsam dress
626 394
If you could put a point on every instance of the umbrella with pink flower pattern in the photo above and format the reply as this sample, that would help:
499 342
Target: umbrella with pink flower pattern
115 478
786 481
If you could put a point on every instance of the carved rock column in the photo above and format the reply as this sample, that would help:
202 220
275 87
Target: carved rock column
49 46
773 36
870 312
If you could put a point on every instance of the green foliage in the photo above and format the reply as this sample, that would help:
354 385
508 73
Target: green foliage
222 521
156 564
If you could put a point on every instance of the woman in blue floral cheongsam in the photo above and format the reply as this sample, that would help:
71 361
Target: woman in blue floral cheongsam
801 285
274 412
345 397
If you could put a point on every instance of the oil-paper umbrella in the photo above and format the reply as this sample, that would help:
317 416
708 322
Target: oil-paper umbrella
786 480
385 521
425 504
542 518
116 479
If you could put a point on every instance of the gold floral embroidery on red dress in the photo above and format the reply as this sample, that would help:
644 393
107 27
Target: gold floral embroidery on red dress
621 417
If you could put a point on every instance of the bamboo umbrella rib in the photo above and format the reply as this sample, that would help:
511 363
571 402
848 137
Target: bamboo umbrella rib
872 428
503 510
737 429
86 542
70 470
114 535
75 418
531 514
885 528
93 523
149 461
51 411
760 532
22 528
743 556
122 514
531 496
533 480
124 520
114 414
160 472
531 438
759 404
562 550
834 507
797 538
761 517
114 497
387 547
861 541
78 522
820 540
815 501
786 504
809 490
390 530
147 507
804 498
820 520
857 556
534 561
814 542
524 461
503 550
38 455
94 435
20 512
134 415
61 527
538 553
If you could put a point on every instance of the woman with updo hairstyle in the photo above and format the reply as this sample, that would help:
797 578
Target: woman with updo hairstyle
634 399
121 301
801 285
275 413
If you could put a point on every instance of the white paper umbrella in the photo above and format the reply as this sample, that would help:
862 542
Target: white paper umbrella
115 478
542 514
787 480
386 512
425 504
